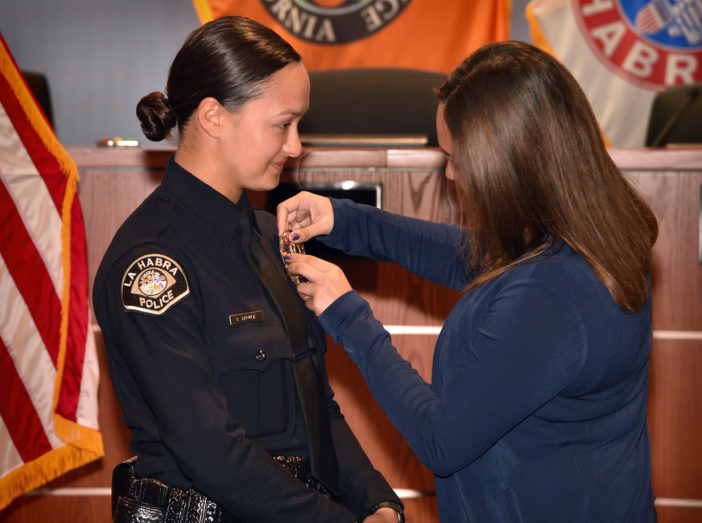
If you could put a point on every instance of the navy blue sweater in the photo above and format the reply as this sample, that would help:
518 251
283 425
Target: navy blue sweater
537 407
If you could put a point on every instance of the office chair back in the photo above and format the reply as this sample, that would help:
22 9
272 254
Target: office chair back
386 101
676 116
39 86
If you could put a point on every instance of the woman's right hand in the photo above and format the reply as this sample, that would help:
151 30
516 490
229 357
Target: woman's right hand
323 283
307 214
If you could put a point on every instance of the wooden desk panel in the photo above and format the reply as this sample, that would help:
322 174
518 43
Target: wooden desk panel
677 272
675 419
671 181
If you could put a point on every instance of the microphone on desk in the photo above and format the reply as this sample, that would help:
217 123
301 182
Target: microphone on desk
692 95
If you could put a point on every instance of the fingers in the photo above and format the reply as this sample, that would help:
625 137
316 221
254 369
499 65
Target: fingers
309 267
292 211
307 214
325 282
306 292
282 217
304 234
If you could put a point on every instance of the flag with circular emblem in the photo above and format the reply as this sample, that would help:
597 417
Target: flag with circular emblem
622 52
48 361
341 34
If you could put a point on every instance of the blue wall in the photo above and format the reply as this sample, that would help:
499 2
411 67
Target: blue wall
101 56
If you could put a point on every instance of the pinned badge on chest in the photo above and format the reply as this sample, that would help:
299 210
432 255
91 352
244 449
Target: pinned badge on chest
288 247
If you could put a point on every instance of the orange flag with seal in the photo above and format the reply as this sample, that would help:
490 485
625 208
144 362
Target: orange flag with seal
341 34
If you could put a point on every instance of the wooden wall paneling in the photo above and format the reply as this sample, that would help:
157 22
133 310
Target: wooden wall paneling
671 181
675 419
677 273
676 514
33 508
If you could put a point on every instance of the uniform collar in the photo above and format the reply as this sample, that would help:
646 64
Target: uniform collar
222 214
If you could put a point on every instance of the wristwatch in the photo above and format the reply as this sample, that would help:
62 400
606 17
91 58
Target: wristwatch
390 504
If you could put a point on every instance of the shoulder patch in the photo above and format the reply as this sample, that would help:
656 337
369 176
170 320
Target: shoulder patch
153 283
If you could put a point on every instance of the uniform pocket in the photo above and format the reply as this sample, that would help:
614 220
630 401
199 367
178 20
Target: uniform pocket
253 365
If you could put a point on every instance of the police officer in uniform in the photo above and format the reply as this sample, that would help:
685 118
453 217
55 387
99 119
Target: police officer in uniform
203 349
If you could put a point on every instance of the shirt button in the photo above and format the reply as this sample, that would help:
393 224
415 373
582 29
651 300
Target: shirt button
163 199
261 355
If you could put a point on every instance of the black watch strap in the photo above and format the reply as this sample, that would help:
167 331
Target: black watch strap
390 504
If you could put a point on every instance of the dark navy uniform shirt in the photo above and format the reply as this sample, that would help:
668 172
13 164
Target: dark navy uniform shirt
201 363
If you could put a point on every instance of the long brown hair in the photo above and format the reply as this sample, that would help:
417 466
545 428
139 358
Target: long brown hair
532 168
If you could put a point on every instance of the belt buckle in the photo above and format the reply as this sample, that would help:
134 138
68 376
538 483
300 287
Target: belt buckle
202 508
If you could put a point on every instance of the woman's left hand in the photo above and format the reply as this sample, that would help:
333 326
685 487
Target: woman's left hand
325 283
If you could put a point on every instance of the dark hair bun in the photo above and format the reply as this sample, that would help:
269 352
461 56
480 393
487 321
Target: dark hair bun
156 116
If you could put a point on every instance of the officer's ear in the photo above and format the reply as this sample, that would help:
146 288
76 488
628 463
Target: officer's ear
210 116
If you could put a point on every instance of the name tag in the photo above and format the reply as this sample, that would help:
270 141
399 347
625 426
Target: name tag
245 317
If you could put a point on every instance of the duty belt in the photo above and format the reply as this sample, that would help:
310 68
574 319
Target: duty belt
148 500
151 501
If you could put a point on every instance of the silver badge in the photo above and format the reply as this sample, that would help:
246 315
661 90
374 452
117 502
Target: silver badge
286 246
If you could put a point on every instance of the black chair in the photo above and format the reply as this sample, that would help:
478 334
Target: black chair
374 101
676 116
39 85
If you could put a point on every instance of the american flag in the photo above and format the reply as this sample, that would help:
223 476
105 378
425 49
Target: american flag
48 362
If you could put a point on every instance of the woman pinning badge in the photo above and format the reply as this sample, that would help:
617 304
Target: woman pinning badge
537 407
217 364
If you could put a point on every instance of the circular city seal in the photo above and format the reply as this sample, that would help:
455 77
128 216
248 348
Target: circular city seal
334 21
654 44
153 283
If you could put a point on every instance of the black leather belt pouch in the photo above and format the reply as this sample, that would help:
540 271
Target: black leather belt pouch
131 511
122 476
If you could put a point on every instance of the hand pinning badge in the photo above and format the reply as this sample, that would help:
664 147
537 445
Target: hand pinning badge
288 247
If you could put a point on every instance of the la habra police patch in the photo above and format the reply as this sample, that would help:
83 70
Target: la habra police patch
153 283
